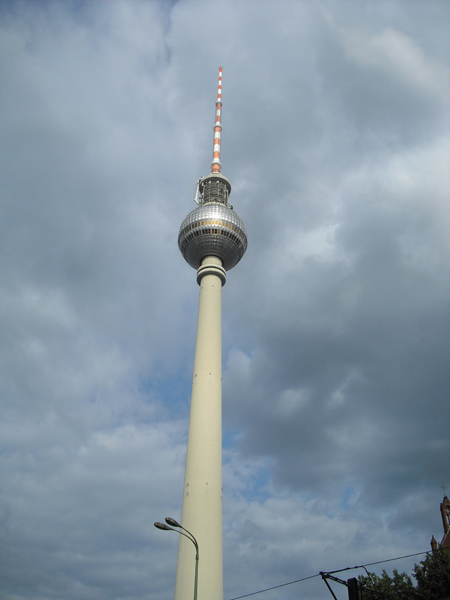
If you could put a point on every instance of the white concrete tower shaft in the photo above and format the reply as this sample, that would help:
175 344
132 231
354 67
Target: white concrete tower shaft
212 239
202 493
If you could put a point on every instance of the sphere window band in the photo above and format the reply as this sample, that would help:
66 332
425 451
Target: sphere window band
221 223
205 231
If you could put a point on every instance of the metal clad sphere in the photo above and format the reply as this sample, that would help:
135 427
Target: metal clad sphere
213 230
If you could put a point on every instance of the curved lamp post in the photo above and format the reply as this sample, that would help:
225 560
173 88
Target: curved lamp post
174 523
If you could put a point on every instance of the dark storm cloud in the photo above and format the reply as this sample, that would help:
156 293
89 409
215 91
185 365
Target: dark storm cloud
335 324
352 353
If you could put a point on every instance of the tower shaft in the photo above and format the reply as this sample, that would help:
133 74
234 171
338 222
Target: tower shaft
202 492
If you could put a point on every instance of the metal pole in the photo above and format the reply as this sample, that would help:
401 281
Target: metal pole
324 577
165 527
196 576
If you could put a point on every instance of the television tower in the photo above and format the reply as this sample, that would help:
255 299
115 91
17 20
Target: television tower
212 239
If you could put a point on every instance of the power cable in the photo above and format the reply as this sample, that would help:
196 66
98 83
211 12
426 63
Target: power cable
275 587
378 562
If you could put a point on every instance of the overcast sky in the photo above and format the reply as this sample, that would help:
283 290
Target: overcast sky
336 322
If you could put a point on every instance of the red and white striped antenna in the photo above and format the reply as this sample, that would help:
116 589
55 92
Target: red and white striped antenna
216 165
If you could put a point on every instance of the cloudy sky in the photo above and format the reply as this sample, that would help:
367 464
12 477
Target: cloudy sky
336 322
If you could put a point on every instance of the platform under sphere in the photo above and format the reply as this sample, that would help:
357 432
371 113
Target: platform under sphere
213 230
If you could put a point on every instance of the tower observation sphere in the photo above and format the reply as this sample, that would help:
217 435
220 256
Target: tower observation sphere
213 229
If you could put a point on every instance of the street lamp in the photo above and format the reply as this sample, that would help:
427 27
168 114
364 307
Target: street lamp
174 523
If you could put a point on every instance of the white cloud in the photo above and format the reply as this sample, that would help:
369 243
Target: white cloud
398 55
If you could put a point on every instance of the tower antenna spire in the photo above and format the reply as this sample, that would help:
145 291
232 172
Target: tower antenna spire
216 165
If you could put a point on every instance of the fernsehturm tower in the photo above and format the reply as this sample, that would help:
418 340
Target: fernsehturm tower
212 239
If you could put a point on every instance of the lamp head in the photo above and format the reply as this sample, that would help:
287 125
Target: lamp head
162 526
172 522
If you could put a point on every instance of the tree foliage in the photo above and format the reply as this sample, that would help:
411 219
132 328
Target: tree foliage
397 587
432 577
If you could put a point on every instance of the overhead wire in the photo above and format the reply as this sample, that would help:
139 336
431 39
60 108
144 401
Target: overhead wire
275 587
378 562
